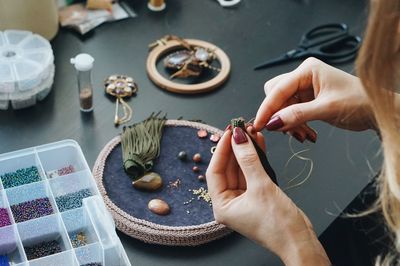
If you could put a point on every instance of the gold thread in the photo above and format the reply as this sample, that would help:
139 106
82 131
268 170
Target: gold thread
305 159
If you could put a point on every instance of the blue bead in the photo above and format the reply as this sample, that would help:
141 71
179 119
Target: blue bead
72 200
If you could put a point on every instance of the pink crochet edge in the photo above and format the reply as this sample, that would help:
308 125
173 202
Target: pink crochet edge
151 232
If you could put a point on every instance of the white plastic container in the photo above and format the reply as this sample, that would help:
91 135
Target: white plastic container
26 68
102 243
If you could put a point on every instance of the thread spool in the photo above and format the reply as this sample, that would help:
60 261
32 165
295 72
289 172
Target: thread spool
156 5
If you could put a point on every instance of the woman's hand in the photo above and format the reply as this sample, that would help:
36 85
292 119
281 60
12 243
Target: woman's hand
246 200
313 91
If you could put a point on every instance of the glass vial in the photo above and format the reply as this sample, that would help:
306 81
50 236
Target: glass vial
83 64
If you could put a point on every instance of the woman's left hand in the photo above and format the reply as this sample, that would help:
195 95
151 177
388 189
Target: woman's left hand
246 200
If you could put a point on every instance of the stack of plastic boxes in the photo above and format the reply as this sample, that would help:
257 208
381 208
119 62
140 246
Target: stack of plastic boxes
62 171
26 68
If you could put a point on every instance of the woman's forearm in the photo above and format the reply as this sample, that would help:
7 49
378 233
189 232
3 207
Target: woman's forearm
307 253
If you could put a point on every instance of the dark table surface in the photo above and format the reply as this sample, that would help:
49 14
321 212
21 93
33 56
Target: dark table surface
252 31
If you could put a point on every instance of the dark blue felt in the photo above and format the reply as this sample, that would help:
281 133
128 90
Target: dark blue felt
175 139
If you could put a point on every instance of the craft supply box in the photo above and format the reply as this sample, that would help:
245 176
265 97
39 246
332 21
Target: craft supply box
101 243
26 68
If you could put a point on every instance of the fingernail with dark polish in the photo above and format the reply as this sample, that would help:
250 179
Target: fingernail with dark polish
239 136
228 127
298 137
274 124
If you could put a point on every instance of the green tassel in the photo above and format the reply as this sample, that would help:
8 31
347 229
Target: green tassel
238 122
141 145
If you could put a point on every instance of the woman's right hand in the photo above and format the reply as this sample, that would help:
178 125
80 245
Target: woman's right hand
313 91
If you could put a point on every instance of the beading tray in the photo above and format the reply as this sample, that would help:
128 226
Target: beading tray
51 212
188 224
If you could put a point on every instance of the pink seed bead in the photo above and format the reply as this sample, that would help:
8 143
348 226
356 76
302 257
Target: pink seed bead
197 158
4 218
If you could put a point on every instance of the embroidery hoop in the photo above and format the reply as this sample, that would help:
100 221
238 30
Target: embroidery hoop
157 52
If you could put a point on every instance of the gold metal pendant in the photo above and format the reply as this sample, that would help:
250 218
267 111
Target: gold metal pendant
121 86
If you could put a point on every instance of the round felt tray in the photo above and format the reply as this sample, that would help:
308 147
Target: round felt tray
187 224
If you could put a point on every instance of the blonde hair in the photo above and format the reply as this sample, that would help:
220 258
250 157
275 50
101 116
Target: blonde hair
378 68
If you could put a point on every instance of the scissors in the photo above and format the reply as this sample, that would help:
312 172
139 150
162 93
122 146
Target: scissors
330 43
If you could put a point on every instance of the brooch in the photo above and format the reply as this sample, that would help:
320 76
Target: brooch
121 86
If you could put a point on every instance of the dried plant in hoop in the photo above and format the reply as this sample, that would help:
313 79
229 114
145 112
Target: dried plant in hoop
190 63
188 58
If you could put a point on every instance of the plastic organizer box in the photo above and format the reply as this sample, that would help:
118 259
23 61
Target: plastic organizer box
26 68
51 212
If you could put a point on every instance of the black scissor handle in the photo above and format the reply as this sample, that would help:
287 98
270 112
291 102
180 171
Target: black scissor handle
337 50
322 34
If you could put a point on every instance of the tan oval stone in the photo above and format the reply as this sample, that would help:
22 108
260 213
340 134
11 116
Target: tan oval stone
149 182
159 207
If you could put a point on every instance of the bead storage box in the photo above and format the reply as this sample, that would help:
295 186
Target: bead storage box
51 212
26 69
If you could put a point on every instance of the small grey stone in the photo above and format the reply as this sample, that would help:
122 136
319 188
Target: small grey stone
182 155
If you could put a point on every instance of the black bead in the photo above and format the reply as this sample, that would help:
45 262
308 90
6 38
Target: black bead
182 155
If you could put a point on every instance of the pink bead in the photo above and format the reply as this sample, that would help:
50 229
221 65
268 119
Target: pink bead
197 158
202 133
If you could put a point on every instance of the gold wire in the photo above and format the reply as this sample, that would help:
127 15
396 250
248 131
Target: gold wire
305 159
127 110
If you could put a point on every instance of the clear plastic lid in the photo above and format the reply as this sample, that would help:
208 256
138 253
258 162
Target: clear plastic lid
24 61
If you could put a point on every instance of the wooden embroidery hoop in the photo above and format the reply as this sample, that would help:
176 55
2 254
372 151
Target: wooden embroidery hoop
169 85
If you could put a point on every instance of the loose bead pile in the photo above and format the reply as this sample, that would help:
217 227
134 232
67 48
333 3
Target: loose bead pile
4 260
174 184
66 170
21 177
72 200
4 218
62 171
189 201
42 249
78 240
202 194
196 159
31 209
